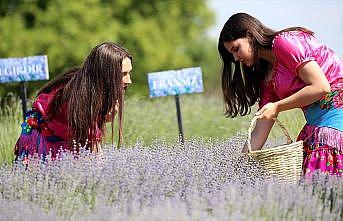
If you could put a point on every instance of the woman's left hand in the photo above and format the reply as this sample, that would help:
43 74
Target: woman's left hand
268 111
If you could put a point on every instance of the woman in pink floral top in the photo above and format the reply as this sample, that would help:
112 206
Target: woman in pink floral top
284 70
74 107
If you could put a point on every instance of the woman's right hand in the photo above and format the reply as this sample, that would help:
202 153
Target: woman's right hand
268 111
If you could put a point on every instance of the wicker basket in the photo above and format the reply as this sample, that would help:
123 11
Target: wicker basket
283 163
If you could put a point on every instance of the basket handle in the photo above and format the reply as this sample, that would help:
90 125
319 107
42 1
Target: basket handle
252 125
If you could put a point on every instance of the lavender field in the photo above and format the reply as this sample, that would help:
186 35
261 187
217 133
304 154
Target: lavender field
155 178
201 180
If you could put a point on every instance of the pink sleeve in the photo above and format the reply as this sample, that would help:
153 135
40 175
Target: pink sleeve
292 49
42 102
268 94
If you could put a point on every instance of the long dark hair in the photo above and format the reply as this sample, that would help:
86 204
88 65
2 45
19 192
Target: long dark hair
91 92
242 90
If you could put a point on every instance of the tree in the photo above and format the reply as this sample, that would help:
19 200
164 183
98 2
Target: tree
161 35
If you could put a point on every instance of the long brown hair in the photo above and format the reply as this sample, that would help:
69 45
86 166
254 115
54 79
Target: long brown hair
91 92
242 90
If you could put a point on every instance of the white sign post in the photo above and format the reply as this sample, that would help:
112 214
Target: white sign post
24 69
175 82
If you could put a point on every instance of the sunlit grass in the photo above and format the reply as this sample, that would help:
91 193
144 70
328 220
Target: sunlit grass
10 120
203 116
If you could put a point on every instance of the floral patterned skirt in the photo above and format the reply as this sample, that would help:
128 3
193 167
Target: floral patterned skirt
323 136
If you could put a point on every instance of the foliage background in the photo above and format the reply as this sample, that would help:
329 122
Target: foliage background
161 35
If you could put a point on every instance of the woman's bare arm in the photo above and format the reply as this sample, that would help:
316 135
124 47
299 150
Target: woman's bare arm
260 134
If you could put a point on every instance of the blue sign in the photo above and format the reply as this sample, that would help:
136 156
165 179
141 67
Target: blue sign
24 69
173 82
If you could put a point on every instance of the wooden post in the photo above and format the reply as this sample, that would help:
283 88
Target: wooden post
179 118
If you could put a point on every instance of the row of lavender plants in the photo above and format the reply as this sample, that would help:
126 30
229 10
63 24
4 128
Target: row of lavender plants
203 179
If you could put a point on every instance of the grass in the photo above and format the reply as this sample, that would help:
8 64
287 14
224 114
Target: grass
10 120
202 116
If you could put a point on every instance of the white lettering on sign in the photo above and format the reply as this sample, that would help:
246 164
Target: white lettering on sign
17 70
184 81
24 69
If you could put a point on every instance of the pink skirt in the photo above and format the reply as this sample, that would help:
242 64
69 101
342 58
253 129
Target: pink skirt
323 145
322 150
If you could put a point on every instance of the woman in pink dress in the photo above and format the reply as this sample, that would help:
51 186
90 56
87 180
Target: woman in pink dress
283 70
71 110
